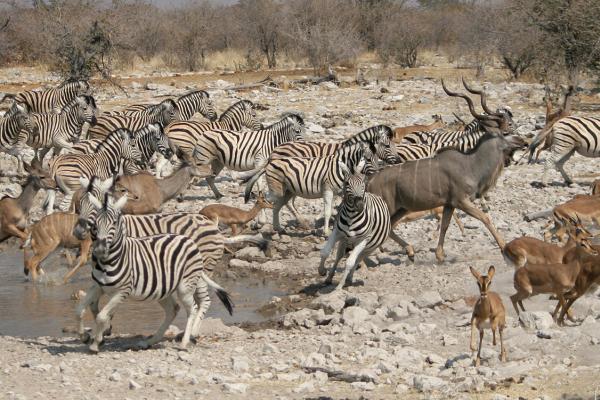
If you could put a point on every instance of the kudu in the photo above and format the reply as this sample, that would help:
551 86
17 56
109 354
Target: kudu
451 179
488 312
399 133
14 211
235 217
147 194
47 235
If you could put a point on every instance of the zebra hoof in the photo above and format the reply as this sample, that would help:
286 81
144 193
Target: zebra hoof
85 338
108 332
142 345
94 348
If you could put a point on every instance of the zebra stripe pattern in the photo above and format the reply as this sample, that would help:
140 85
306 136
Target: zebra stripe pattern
320 177
189 104
53 100
163 113
66 169
571 135
362 222
16 120
164 267
149 140
244 151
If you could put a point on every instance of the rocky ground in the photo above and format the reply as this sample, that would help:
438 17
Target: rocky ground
401 332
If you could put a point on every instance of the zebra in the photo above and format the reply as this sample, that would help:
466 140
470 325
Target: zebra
166 268
11 125
149 140
202 230
197 101
66 169
312 178
58 131
52 100
570 135
363 223
163 113
243 151
185 134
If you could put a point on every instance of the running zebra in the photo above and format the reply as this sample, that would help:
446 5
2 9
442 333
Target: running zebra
311 178
11 125
570 135
66 169
243 151
166 268
149 140
59 131
52 100
362 223
197 101
163 113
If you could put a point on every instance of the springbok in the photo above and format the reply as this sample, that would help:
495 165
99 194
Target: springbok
235 217
399 133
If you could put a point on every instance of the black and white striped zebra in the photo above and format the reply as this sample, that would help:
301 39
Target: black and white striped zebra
163 113
311 178
243 151
52 100
167 268
570 135
149 140
362 223
60 131
11 125
66 169
197 101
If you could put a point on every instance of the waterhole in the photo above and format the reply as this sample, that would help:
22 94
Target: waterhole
47 308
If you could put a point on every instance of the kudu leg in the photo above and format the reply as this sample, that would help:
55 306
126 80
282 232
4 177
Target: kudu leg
446 218
405 245
474 212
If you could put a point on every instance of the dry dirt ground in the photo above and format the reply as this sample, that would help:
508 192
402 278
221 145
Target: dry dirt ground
402 332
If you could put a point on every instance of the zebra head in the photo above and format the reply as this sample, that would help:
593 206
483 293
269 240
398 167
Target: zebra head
167 112
161 141
296 125
82 88
353 192
85 108
248 116
385 149
205 105
358 158
130 149
93 187
19 112
109 230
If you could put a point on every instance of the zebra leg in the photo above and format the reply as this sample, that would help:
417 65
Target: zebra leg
189 303
560 166
49 202
327 202
202 298
292 208
65 204
169 305
262 186
341 251
92 295
351 263
446 218
103 320
277 204
217 167
327 249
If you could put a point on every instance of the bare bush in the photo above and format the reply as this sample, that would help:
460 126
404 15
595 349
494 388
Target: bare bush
260 22
401 35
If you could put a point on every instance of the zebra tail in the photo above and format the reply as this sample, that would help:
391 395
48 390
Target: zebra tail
251 183
537 141
256 240
245 176
221 293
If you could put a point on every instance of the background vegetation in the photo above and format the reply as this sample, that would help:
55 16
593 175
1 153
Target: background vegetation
545 39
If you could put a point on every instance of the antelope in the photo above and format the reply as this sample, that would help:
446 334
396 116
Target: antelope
235 217
14 211
47 235
147 194
488 312
399 133
583 207
525 249
556 278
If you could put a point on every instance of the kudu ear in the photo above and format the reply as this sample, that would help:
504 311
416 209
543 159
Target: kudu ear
475 273
491 272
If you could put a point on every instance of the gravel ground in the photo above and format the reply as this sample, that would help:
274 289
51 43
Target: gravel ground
400 332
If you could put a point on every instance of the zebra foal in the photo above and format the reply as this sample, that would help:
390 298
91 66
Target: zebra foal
164 267
362 222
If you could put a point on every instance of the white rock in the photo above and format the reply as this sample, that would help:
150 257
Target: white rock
330 303
536 319
249 253
306 387
239 388
429 299
240 364
115 377
425 383
133 385
366 386
354 315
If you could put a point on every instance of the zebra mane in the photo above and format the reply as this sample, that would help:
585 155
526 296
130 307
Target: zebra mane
293 115
456 147
369 135
236 106
194 93
69 83
111 138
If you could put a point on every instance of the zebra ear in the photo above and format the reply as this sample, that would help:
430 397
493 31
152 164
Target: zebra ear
119 204
360 166
84 182
344 169
105 185
96 203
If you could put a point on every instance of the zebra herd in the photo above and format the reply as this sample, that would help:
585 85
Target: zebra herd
163 257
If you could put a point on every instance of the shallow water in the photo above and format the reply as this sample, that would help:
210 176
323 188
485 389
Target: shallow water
44 309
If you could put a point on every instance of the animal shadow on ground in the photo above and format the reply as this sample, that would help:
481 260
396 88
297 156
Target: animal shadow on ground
118 344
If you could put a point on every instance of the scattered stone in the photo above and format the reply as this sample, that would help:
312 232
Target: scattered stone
306 387
366 386
536 320
115 377
239 388
240 364
330 303
133 385
425 383
429 299
354 315
449 340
